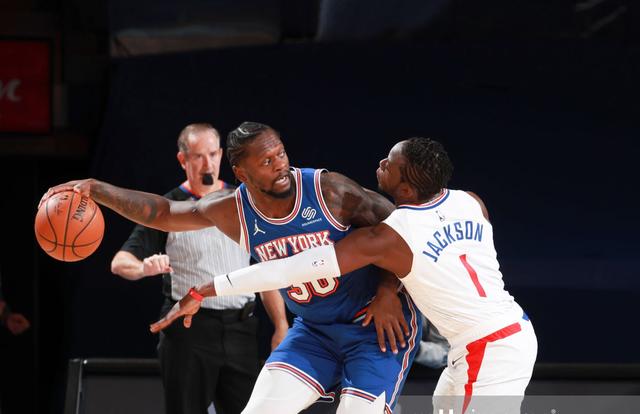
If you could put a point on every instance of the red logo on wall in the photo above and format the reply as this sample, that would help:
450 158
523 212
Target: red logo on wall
25 86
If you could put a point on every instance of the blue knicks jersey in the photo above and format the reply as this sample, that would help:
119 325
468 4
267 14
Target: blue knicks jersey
309 224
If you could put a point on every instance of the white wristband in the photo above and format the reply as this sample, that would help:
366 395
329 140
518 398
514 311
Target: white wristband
313 264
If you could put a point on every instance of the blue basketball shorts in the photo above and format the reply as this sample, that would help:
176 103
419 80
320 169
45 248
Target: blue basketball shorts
347 357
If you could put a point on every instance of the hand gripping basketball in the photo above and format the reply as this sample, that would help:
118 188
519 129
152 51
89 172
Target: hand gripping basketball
69 226
82 187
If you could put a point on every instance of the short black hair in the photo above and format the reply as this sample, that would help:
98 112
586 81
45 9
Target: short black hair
428 167
241 136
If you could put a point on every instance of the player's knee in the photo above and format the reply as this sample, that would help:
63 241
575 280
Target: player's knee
264 407
350 404
270 405
279 392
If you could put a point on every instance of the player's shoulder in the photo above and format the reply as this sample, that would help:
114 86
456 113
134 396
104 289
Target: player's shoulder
337 181
472 199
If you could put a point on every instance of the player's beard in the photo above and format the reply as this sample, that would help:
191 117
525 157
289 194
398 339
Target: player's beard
283 194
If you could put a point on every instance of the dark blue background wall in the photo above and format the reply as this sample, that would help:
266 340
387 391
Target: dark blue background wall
543 132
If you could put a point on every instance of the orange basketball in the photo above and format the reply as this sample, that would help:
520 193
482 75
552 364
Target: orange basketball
69 226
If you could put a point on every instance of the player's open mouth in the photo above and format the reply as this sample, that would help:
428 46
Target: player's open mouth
282 180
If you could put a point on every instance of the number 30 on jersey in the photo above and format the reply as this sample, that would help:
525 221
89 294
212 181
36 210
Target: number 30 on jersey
303 292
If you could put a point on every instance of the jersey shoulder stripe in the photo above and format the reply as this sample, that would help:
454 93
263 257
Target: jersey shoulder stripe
323 205
244 233
444 194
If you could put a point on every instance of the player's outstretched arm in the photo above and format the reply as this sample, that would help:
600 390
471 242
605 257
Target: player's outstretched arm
379 245
150 210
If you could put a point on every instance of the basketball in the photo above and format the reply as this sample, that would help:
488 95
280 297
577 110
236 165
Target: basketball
69 226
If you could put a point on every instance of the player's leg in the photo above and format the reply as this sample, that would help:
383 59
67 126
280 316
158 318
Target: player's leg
449 392
238 375
490 374
504 374
190 372
368 372
300 371
363 404
279 392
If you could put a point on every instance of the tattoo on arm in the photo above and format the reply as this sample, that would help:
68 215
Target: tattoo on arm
134 205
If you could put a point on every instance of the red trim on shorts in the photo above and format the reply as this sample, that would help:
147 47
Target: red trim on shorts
303 377
410 346
364 395
476 354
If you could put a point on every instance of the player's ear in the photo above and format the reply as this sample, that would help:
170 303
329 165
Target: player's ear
182 160
240 173
407 191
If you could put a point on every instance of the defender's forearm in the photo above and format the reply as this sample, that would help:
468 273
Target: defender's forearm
313 264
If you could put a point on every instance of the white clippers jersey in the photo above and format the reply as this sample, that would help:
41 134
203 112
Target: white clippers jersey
455 278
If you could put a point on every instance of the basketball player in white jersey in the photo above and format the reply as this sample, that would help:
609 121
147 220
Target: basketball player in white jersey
439 242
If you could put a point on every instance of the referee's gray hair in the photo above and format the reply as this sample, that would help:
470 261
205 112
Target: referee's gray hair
183 144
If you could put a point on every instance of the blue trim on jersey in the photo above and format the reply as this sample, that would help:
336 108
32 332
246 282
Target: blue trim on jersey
188 192
426 207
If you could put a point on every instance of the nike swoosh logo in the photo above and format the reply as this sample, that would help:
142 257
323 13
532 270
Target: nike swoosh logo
456 360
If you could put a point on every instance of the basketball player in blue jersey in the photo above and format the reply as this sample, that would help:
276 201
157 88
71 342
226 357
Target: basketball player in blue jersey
439 241
280 211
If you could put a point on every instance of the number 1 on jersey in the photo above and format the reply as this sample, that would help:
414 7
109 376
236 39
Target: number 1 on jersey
474 275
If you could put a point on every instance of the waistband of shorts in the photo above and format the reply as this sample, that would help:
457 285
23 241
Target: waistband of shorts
515 314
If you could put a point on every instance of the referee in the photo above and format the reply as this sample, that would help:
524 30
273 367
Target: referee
216 360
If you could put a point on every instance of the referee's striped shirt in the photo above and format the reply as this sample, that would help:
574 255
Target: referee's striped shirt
196 256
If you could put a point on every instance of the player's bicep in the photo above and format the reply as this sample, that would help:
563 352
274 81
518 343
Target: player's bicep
377 205
354 204
222 213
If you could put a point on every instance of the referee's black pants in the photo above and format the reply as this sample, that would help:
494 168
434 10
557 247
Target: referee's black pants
214 360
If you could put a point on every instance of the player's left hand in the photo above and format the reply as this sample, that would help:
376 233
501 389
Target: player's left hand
187 307
387 315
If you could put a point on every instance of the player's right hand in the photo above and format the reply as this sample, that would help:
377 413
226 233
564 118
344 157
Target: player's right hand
83 187
156 264
187 307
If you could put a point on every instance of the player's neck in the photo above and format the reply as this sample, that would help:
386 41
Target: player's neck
273 207
425 200
411 197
